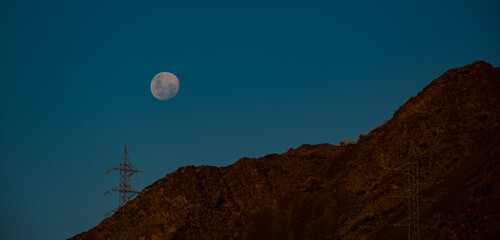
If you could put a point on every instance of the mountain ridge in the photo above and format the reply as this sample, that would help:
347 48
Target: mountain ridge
341 192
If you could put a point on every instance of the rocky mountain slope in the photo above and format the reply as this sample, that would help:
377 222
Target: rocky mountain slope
343 192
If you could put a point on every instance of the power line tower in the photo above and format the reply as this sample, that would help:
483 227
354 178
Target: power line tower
125 189
411 222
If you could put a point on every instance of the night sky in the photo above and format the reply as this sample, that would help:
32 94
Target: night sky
255 78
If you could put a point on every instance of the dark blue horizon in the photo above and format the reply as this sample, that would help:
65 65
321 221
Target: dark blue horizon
256 78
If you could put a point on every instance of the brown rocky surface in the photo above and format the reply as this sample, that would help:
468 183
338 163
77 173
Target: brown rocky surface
342 192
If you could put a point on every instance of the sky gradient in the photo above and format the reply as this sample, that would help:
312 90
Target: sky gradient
256 77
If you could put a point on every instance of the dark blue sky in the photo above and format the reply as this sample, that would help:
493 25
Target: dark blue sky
256 78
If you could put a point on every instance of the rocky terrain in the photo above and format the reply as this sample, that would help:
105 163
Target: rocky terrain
344 192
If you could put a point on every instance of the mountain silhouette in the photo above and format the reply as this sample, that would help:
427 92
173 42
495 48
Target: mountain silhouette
345 192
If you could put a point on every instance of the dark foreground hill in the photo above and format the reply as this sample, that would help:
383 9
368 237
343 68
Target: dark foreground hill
342 192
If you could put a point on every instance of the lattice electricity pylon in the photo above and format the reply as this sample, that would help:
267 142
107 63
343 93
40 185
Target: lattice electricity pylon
411 222
126 190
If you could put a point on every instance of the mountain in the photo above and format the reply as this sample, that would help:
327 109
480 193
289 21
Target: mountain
344 192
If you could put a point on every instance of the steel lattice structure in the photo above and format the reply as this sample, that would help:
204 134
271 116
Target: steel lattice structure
412 195
125 189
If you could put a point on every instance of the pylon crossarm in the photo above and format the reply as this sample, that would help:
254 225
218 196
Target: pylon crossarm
125 191
134 168
123 169
112 189
114 168
118 167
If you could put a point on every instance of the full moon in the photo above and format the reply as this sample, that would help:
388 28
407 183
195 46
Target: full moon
164 86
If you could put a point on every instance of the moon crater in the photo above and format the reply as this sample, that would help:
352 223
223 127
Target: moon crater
164 86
